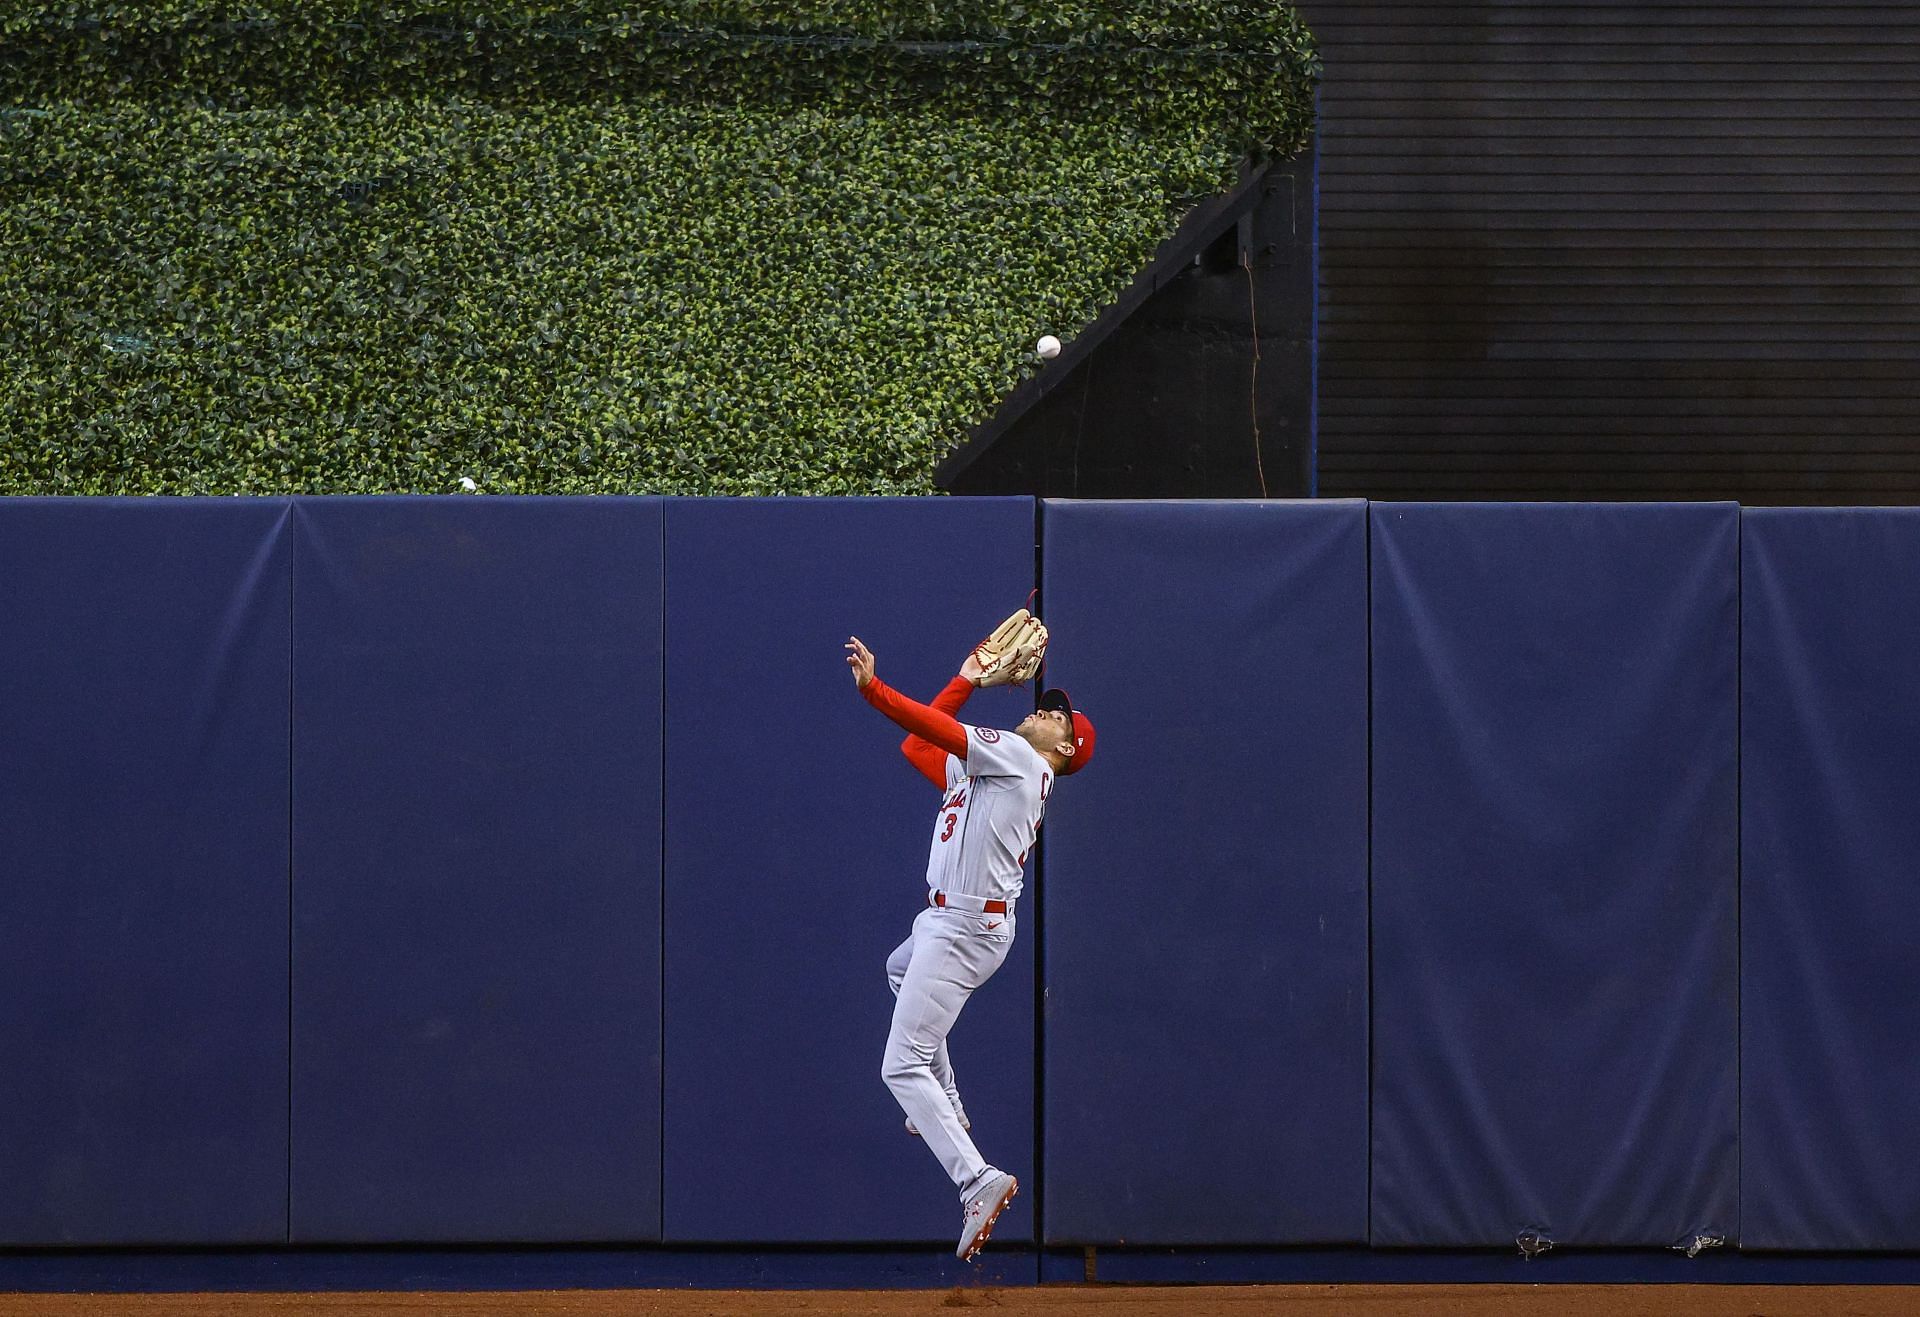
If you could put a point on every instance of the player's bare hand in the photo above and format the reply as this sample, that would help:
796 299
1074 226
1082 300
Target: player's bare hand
860 659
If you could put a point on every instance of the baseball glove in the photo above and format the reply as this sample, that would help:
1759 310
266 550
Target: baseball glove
1012 654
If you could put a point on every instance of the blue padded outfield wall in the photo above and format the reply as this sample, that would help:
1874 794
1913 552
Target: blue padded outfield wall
418 871
1206 877
476 932
1830 897
143 870
797 841
1555 823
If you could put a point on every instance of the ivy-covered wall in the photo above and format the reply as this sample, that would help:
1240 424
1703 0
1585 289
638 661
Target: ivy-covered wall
320 246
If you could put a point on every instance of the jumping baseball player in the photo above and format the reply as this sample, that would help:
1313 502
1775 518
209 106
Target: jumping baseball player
996 786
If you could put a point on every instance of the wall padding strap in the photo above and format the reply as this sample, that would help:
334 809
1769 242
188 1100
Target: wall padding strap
144 646
1554 873
1830 908
476 1033
797 839
1205 877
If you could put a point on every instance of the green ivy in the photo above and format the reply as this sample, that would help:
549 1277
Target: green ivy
317 246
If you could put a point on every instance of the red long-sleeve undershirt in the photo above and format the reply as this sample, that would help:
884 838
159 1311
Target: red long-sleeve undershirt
932 732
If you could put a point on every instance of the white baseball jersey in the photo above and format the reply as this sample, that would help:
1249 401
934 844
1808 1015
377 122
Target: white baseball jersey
991 814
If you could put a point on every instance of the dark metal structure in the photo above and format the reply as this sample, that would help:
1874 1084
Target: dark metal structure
1620 250
1197 382
1644 250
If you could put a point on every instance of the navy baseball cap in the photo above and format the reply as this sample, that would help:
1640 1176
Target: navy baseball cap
1055 698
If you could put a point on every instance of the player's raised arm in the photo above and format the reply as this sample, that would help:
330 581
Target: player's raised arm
1010 653
924 755
861 660
930 725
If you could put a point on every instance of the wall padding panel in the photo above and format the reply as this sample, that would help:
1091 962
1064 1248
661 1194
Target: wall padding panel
476 1032
797 840
1554 873
1830 906
144 648
1205 882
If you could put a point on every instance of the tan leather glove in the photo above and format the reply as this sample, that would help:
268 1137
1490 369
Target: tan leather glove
1012 654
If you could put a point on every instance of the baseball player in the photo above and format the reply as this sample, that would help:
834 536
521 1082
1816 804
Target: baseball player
996 786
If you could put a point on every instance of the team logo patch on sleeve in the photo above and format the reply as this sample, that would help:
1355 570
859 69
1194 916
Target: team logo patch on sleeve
988 735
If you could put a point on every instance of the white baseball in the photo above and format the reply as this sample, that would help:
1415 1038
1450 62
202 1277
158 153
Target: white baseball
466 483
1048 347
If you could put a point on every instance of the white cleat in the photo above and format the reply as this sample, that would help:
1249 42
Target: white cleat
982 1210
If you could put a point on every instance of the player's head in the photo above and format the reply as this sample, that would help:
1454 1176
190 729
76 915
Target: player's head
1059 731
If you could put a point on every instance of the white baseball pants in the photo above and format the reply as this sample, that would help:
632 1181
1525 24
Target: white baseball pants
948 955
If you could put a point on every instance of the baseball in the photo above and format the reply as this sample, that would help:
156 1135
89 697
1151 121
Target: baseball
466 483
1048 347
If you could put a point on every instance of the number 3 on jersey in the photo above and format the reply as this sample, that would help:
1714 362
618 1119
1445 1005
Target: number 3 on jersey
959 799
